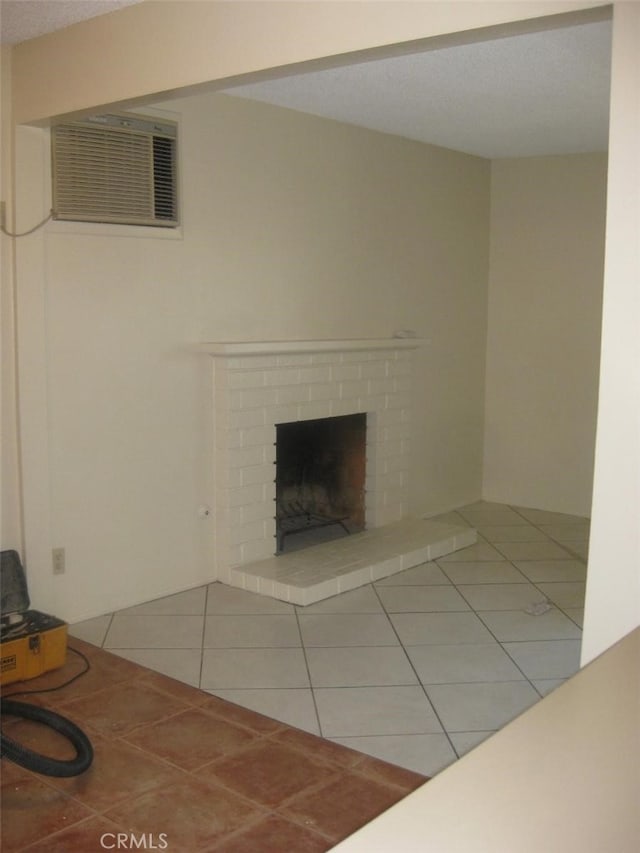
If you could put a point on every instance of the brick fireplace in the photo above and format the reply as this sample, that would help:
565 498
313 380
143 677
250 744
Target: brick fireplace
257 386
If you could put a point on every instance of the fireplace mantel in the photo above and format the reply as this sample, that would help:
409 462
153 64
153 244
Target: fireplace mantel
245 348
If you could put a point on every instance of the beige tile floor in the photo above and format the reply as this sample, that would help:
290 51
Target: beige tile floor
415 669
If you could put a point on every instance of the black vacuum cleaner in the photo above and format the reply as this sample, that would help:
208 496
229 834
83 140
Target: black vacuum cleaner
32 643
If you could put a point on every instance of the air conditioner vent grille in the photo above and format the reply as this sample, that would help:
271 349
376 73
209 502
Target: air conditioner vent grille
106 173
163 168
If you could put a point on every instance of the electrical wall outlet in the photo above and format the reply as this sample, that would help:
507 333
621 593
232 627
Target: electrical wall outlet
57 555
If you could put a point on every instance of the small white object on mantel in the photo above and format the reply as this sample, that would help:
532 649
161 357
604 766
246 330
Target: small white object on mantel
235 348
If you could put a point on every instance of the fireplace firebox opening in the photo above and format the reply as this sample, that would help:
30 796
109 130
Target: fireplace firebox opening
320 475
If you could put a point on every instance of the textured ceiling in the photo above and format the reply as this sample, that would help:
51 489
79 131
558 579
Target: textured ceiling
525 95
26 19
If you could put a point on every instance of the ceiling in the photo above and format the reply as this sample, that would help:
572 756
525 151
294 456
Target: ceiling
517 96
26 19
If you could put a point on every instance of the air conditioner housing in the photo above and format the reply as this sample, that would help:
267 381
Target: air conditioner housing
118 168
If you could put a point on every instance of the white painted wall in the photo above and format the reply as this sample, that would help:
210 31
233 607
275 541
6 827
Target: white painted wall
10 516
613 583
543 340
293 227
50 78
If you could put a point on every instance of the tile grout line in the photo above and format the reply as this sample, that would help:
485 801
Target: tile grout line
204 629
420 684
306 663
566 547
499 642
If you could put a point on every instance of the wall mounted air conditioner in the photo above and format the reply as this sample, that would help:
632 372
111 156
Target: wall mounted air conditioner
118 168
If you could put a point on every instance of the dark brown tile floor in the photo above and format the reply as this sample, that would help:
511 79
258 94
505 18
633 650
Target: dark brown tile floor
190 772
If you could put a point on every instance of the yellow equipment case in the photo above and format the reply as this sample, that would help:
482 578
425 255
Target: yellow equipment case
30 642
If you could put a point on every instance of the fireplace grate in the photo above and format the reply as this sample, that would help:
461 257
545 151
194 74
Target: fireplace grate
295 517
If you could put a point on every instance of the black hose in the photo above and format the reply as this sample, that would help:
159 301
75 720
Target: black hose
44 764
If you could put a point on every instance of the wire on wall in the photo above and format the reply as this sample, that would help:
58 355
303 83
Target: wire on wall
22 233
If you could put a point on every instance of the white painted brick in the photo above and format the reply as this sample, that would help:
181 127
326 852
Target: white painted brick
250 583
319 592
399 401
284 593
325 358
389 417
386 568
223 574
367 403
233 557
382 386
392 497
372 480
396 432
323 391
374 464
283 414
254 398
375 370
401 355
251 362
350 357
388 515
243 456
373 433
399 368
291 394
252 531
294 359
246 379
258 435
245 495
344 372
353 389
259 550
235 401
355 579
233 478
315 374
265 586
257 474
244 419
270 492
313 411
225 439
301 387
415 558
390 448
257 512
283 376
395 464
346 407
391 480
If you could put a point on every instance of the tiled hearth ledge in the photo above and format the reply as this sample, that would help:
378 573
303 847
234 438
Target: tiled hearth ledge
321 571
258 384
